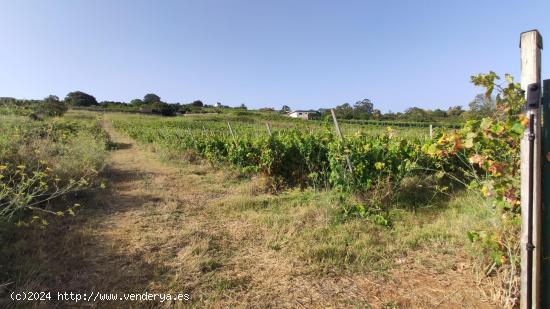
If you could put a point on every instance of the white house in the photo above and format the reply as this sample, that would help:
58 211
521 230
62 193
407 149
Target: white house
304 114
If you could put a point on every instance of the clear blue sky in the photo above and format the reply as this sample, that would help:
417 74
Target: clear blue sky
305 54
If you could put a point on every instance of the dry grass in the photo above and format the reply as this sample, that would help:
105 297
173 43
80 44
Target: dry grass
228 242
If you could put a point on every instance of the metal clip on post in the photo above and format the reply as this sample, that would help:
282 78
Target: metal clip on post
533 96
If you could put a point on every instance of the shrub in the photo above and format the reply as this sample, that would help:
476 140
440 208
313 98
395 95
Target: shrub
52 106
43 161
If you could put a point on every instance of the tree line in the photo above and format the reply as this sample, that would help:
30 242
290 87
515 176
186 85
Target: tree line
53 106
480 106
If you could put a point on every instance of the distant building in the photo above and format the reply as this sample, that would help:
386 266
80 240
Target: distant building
218 104
146 110
304 114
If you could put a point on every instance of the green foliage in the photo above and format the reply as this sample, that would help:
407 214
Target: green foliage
482 155
363 109
285 109
485 155
291 157
136 102
151 98
79 98
52 106
481 107
197 103
163 109
455 111
416 114
36 109
488 149
42 162
344 111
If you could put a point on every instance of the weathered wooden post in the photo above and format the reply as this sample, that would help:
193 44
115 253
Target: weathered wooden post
530 46
231 131
431 131
340 137
268 128
336 125
545 260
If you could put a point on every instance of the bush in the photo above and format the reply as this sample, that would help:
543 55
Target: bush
164 109
43 161
52 107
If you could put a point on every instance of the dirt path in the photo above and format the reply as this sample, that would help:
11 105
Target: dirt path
161 228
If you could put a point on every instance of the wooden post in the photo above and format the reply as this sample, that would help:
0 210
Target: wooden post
340 137
431 132
268 128
530 46
338 131
545 260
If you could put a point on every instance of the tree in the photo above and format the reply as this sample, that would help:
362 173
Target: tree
164 109
416 114
51 98
243 106
7 101
184 109
389 116
136 102
439 113
285 109
455 110
344 111
363 108
151 98
481 106
51 106
197 103
79 98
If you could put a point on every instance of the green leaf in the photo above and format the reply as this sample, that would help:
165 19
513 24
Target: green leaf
517 128
486 123
509 78
472 235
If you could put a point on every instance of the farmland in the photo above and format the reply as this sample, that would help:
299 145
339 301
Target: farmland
295 153
222 208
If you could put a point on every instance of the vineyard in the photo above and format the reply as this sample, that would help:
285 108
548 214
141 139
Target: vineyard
355 204
304 154
372 166
274 154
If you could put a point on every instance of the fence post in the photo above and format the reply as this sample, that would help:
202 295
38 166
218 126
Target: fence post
340 137
431 131
268 128
336 125
231 131
530 46
545 260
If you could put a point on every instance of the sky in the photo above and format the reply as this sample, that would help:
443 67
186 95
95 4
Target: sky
304 54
